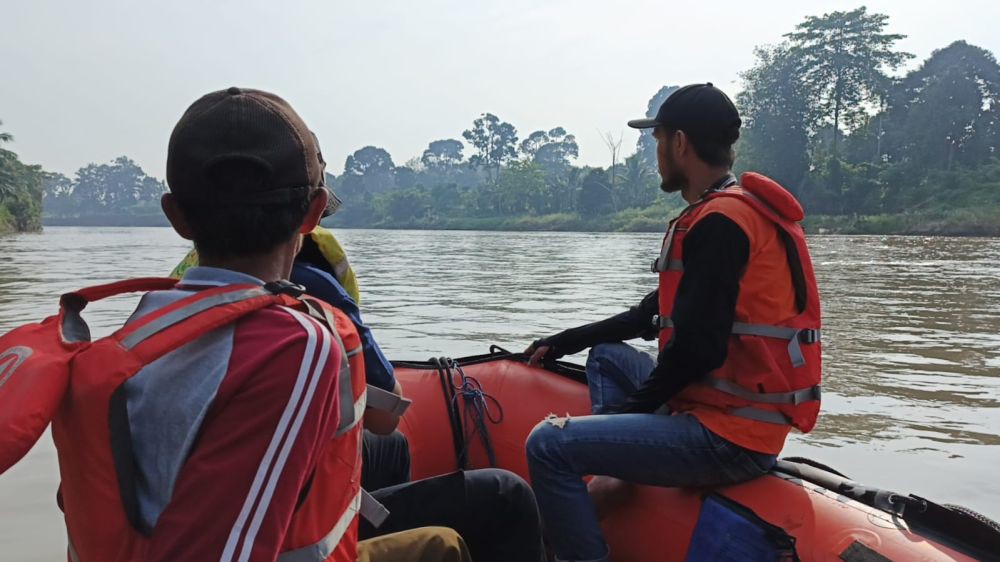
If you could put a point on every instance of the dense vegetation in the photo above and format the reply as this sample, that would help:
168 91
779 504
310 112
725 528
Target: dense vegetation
864 150
20 192
826 112
118 193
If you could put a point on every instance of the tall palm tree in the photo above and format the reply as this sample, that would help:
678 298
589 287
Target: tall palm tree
636 180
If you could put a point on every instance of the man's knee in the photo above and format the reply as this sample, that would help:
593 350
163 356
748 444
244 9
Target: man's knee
543 439
608 351
445 544
502 493
424 544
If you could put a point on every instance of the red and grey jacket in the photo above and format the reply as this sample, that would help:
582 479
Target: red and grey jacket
275 472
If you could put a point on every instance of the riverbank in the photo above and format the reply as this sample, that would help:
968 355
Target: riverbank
956 222
107 220
11 224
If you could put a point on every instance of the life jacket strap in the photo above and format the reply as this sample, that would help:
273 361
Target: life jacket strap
363 504
372 510
71 550
659 266
199 305
386 401
662 322
757 414
791 398
794 336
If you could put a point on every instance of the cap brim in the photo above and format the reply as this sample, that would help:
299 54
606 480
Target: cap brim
332 204
643 123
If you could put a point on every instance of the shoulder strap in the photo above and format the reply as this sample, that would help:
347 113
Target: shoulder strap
73 328
787 231
160 332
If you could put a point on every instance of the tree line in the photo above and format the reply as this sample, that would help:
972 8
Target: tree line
118 192
20 191
824 112
825 116
827 112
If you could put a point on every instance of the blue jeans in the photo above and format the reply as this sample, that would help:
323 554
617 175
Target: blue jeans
615 370
651 449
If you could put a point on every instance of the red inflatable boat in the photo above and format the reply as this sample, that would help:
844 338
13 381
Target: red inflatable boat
476 412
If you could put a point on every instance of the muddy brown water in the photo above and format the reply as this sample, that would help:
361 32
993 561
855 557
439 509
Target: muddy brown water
911 336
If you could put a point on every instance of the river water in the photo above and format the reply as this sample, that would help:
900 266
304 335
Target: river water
911 336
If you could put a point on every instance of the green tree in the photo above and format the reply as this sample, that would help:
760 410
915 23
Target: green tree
118 187
596 197
843 60
638 183
495 142
443 154
553 150
369 170
945 112
404 205
20 193
57 194
774 105
521 188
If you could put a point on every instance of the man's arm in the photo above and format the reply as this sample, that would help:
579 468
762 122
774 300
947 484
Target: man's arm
272 415
633 323
716 252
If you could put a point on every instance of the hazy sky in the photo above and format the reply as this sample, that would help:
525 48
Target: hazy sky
86 81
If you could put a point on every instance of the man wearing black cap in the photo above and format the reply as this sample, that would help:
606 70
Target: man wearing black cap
704 269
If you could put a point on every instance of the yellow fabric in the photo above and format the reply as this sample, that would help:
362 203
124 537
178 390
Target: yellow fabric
328 245
424 544
189 261
335 255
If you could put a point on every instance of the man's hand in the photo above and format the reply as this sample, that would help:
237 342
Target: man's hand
536 353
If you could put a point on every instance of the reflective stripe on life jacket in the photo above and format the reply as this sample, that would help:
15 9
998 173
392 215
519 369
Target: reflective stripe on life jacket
773 366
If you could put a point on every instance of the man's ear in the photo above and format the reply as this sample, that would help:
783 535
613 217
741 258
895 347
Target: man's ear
317 204
173 211
681 144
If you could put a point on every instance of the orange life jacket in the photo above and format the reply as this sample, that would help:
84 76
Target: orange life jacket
770 380
52 371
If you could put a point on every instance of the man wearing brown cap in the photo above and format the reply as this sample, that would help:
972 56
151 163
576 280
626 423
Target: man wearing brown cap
737 315
244 443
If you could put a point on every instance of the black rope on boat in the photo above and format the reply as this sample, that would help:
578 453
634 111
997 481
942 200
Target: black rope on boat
454 417
477 409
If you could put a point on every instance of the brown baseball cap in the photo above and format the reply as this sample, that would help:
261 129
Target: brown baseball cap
250 126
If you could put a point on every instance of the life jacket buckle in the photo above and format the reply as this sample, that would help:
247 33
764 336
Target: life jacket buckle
654 267
809 336
662 322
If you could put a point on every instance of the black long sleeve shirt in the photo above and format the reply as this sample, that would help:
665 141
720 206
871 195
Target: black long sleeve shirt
715 253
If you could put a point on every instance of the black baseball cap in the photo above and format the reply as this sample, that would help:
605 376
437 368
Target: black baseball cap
249 125
700 110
